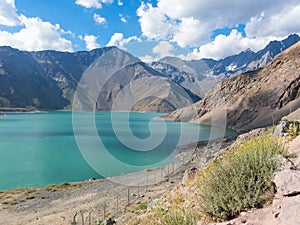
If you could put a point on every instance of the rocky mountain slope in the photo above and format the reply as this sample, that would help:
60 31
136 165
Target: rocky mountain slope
199 76
250 61
42 80
49 79
190 74
254 99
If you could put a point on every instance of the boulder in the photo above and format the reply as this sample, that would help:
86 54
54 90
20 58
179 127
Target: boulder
290 209
293 152
287 182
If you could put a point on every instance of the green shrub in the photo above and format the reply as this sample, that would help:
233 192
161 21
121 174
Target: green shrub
174 217
240 180
142 206
65 184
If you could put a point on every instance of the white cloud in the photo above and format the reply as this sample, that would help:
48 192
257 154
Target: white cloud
190 32
148 58
123 18
190 25
194 55
93 3
89 3
154 23
107 1
36 35
99 19
91 42
232 44
279 25
120 3
8 13
163 49
117 39
219 12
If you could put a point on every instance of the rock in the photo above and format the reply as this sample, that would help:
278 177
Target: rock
286 122
187 175
224 223
294 152
286 164
281 127
294 116
290 211
287 182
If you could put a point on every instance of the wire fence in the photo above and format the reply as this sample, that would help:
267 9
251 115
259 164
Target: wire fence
118 203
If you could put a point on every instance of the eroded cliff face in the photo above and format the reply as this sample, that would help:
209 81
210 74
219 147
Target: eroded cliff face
251 100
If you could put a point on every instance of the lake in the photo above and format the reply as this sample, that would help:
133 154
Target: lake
37 149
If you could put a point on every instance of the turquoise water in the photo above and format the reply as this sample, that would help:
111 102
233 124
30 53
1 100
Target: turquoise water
40 148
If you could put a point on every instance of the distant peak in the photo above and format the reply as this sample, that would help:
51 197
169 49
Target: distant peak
293 36
7 48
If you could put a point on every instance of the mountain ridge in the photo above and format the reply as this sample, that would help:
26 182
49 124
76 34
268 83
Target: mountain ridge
47 80
201 75
251 100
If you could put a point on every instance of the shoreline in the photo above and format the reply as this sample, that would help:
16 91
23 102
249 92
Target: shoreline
20 110
57 204
181 155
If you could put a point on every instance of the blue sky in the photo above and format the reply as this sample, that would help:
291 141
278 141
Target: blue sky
80 21
149 29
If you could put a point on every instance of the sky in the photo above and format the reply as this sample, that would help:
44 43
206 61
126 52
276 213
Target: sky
149 29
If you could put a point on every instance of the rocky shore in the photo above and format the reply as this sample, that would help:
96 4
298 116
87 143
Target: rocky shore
58 204
97 200
281 210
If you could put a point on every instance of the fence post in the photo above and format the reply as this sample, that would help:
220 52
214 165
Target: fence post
74 218
173 167
147 183
90 219
117 203
82 217
128 196
104 209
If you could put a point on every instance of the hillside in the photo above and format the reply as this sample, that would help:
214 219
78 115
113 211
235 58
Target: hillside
199 76
251 100
249 61
47 80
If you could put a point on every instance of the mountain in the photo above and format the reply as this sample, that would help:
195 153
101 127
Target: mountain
189 74
254 99
251 61
48 80
23 84
199 76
